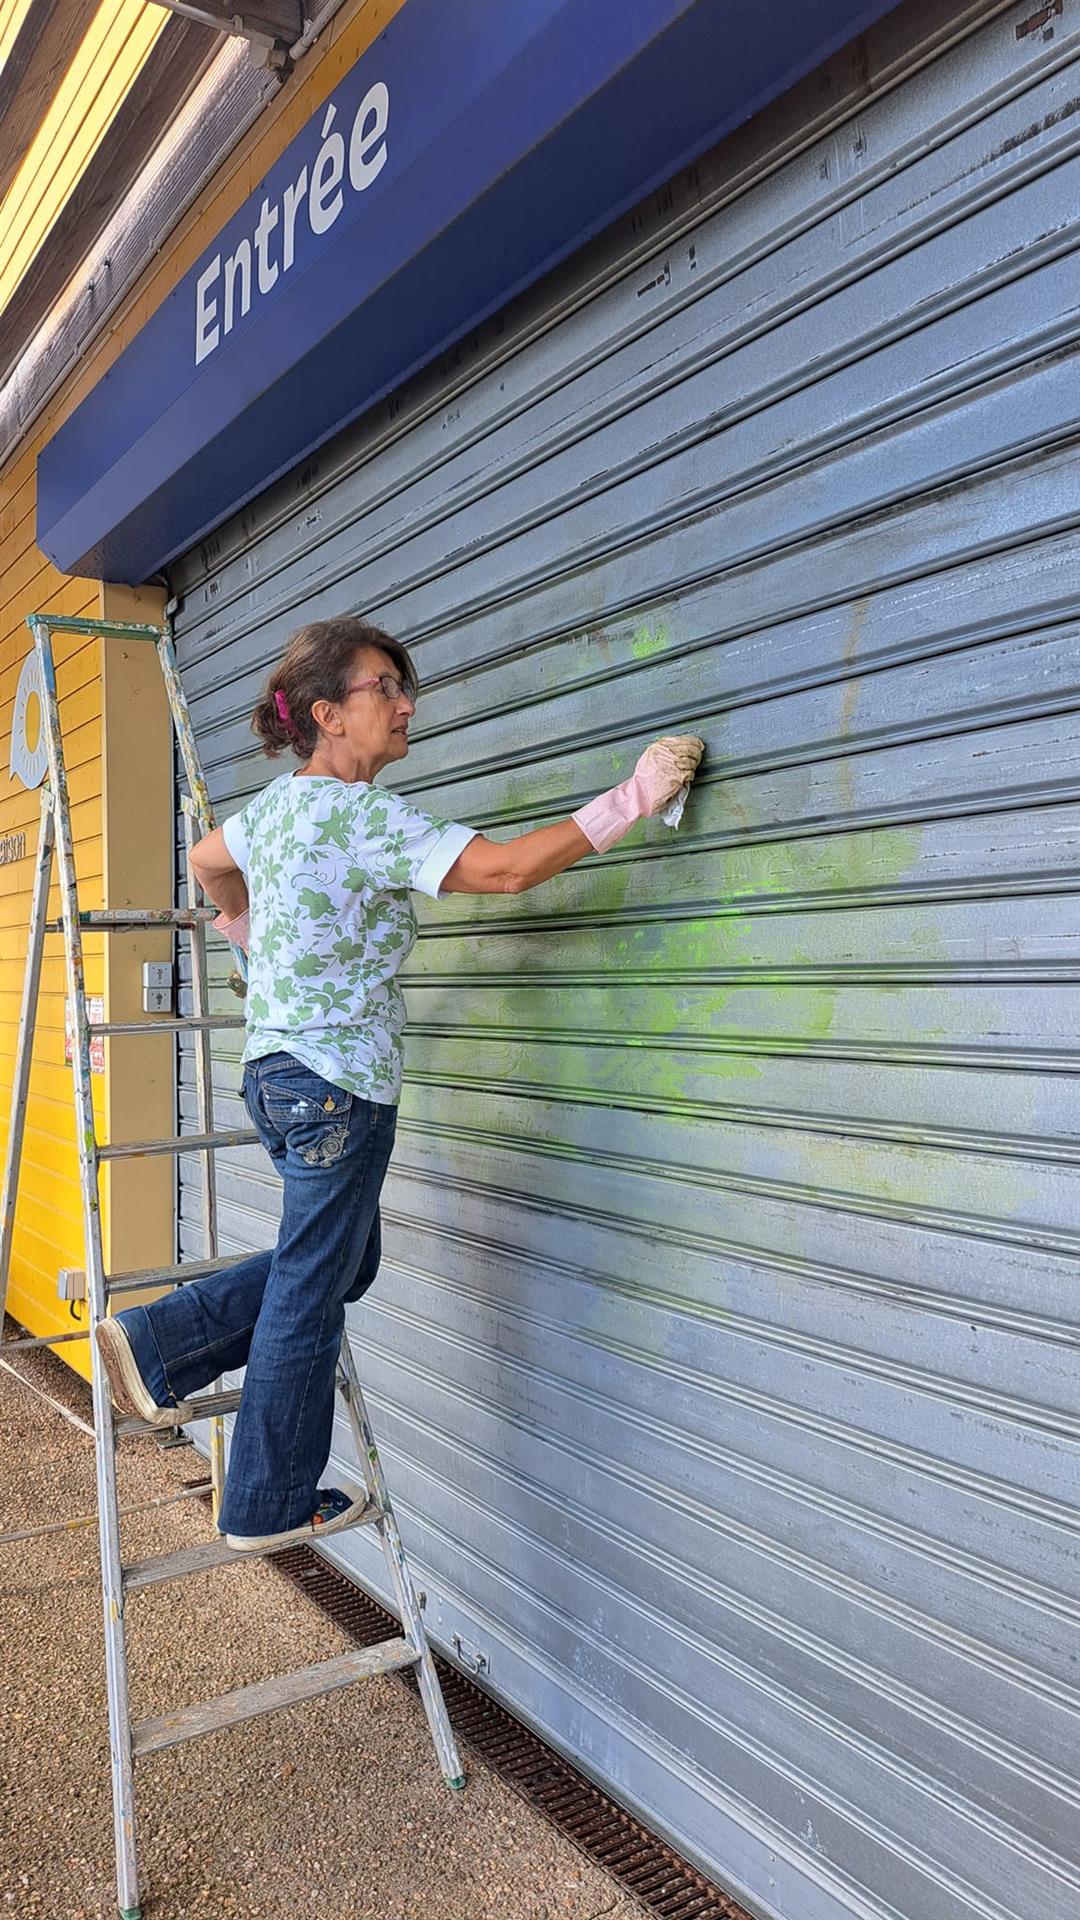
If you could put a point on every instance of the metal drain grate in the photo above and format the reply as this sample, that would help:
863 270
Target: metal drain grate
653 1872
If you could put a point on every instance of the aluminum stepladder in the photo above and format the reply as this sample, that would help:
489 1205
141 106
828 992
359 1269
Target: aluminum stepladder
129 1740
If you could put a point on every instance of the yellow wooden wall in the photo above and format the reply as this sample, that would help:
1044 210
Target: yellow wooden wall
48 1228
49 1233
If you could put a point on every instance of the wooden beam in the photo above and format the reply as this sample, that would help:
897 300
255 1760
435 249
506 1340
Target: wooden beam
32 72
230 97
179 57
275 22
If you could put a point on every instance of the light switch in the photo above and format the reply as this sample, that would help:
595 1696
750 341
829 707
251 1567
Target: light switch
157 986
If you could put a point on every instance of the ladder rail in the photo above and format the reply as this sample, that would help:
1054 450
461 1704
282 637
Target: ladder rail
200 999
398 1568
204 1099
185 733
120 1737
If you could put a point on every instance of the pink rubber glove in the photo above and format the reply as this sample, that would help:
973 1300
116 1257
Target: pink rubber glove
663 768
237 932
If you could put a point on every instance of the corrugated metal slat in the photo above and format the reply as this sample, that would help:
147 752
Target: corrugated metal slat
724 1351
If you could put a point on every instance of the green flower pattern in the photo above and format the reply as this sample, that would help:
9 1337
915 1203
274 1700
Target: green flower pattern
332 921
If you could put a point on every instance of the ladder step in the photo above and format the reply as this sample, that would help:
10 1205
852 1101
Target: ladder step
144 1277
116 920
43 1340
266 1696
205 1406
179 1023
204 1558
181 1143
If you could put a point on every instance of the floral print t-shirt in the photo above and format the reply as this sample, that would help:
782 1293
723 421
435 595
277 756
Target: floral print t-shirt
329 866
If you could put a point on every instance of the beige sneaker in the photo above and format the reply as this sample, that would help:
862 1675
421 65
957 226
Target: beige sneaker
129 1390
338 1508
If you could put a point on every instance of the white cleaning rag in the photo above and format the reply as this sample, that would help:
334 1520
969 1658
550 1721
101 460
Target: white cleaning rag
673 812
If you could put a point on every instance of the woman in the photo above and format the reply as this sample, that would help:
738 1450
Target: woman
322 862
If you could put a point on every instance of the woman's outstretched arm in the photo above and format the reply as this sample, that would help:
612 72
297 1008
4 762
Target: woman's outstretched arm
513 866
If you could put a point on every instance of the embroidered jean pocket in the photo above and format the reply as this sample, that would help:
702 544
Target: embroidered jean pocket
310 1114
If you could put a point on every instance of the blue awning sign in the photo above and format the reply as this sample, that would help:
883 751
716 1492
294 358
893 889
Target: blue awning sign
307 206
469 149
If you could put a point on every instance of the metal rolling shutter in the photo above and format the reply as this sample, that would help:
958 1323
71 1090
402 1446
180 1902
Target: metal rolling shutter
724 1353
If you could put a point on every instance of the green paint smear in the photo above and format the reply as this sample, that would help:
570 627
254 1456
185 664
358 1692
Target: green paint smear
645 643
749 878
796 1017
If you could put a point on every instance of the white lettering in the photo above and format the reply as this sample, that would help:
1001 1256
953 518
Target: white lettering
293 197
206 335
223 295
237 263
267 268
368 131
326 199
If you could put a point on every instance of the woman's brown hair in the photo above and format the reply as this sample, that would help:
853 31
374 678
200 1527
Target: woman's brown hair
319 665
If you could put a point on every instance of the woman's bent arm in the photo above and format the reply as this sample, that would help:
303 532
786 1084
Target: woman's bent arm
218 875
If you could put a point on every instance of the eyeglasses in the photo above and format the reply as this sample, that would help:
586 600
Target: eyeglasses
392 688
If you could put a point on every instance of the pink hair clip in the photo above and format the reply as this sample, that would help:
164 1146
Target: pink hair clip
282 706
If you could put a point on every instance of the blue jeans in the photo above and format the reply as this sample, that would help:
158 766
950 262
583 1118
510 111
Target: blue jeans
281 1314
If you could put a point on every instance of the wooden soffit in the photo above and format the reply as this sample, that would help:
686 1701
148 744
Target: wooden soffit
32 72
181 54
